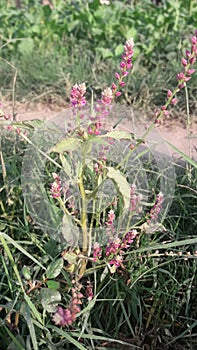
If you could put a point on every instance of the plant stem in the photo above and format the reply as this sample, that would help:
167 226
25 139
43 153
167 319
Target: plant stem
83 215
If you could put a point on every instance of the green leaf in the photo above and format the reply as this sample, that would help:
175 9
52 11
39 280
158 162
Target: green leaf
26 272
67 336
71 257
22 250
54 268
66 165
188 159
50 299
131 33
119 135
25 311
119 50
66 145
53 284
26 46
33 308
106 53
17 343
70 231
122 184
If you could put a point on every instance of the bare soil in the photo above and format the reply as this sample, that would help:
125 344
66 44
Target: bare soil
174 131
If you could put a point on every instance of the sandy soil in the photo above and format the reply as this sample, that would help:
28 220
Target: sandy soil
174 132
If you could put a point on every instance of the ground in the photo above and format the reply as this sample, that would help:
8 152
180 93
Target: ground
173 131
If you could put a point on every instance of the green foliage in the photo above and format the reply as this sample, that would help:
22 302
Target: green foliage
37 37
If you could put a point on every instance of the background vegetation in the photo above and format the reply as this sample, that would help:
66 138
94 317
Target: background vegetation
77 41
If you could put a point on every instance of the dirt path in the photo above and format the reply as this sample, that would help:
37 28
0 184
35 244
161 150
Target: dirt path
172 131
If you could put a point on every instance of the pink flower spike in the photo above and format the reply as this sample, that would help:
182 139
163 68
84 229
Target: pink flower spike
107 96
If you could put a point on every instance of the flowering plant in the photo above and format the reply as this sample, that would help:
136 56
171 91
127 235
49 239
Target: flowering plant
103 201
98 190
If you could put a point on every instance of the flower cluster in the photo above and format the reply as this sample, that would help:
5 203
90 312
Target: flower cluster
115 248
116 245
125 66
65 317
77 97
155 210
97 251
55 189
182 78
135 200
103 105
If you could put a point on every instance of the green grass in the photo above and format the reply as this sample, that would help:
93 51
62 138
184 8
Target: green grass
78 42
150 303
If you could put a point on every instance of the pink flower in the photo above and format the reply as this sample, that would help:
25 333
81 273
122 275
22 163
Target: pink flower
107 96
190 71
77 98
55 189
154 212
65 317
97 251
184 62
174 101
89 291
117 261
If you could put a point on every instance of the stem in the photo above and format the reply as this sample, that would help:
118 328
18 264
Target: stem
83 215
188 131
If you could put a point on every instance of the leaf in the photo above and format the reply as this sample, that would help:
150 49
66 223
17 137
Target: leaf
26 46
188 159
25 311
53 284
33 308
118 135
70 231
119 50
71 257
66 145
54 269
121 183
131 33
67 336
105 53
50 299
26 272
22 250
66 165
18 342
